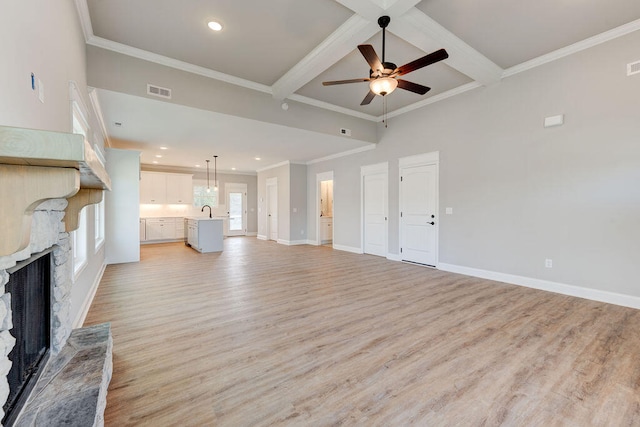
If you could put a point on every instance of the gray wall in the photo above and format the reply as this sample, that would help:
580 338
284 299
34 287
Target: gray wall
521 193
298 183
106 71
282 174
44 37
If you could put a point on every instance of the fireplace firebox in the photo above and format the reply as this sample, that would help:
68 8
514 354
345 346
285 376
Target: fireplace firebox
30 289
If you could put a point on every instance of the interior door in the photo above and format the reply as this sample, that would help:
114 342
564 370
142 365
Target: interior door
375 214
418 214
272 212
237 210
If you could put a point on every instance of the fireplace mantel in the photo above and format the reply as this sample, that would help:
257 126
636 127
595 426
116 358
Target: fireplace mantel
38 165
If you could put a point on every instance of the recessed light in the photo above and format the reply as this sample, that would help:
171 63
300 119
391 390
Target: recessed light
197 166
257 158
233 169
215 26
164 148
155 162
158 155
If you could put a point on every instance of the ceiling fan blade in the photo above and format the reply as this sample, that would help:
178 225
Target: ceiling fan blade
367 99
342 82
413 87
429 59
371 56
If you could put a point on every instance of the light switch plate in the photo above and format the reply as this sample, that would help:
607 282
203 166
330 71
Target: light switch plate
448 211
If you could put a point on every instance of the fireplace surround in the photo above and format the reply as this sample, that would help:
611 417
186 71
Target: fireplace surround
46 178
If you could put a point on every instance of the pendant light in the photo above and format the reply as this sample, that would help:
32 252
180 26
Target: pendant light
208 189
215 173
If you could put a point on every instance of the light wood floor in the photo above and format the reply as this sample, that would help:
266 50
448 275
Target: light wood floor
265 334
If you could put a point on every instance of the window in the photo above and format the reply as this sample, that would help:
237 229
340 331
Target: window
201 197
79 244
99 223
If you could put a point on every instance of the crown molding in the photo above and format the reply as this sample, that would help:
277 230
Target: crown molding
614 33
174 63
342 154
85 19
332 107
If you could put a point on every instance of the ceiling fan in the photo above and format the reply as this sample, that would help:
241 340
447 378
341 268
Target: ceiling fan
383 76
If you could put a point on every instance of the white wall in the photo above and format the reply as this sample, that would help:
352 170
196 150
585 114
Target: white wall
122 208
521 193
45 38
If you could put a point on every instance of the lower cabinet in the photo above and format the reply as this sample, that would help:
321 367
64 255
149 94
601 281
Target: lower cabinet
164 229
326 229
205 235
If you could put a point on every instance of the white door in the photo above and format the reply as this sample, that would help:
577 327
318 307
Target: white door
375 214
272 212
237 209
418 214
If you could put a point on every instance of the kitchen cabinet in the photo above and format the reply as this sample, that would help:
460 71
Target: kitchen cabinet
143 230
179 189
326 229
160 228
205 234
165 188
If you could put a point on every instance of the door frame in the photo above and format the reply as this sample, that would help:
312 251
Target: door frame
426 159
324 176
376 169
273 183
236 187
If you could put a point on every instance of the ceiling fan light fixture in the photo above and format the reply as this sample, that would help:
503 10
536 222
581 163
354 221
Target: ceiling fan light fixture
383 85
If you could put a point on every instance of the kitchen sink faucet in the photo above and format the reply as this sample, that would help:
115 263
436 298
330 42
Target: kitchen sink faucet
206 206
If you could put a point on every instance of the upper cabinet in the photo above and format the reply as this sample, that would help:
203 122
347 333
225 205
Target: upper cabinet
166 188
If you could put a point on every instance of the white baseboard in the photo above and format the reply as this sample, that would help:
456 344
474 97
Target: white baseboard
312 242
261 237
394 257
545 285
347 249
86 305
292 242
252 234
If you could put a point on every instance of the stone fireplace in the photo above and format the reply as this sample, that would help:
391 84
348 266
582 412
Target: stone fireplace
46 178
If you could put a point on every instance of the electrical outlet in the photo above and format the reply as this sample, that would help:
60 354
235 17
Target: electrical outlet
548 263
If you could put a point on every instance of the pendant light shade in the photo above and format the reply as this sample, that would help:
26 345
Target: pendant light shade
208 188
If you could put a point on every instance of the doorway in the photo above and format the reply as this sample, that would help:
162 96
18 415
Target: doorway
272 209
237 209
419 209
375 198
324 208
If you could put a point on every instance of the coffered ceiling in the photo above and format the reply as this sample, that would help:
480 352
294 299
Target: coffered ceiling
286 48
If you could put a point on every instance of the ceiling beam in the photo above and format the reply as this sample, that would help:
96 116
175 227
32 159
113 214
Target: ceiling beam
335 47
423 32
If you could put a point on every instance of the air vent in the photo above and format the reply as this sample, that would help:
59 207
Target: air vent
633 68
162 92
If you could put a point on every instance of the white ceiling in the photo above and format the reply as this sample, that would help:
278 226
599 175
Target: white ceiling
288 47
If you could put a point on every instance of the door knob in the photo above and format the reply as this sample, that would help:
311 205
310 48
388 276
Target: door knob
432 223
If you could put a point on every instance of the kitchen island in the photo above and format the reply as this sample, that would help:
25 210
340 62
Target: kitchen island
204 234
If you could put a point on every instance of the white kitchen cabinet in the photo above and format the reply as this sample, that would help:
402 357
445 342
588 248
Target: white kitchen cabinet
143 230
165 188
205 234
179 230
326 229
179 189
161 228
